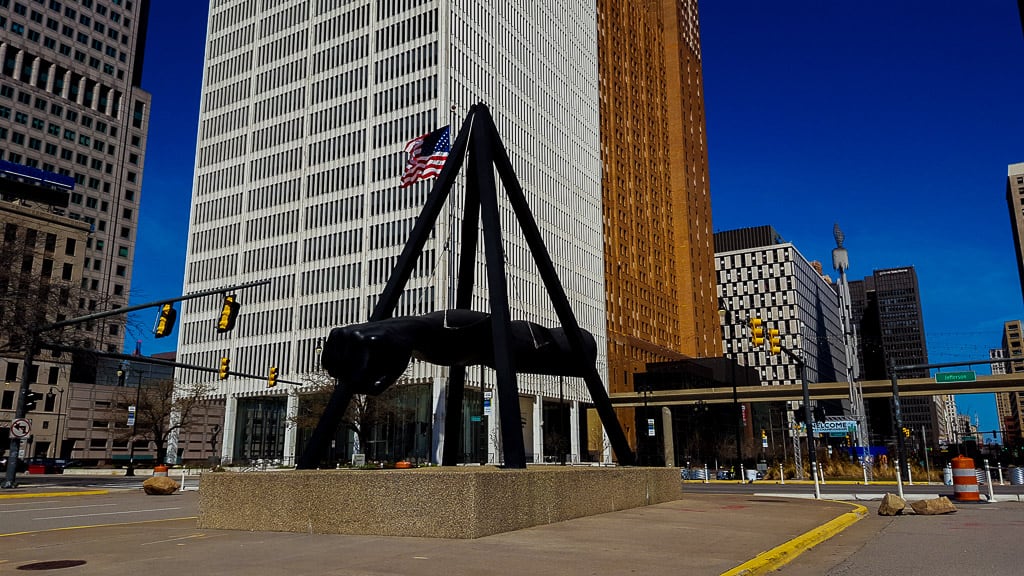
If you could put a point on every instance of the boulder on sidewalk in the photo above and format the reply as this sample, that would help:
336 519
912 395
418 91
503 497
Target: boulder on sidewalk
891 505
159 485
940 505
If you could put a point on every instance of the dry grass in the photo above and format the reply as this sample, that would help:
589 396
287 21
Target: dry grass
843 469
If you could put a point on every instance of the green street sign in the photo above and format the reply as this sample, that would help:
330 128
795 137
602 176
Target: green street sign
952 377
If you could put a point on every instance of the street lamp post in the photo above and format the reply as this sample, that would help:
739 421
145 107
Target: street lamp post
729 316
131 443
56 432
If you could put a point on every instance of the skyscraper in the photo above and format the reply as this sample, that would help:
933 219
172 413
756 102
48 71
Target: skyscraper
659 257
305 111
71 102
1015 205
1010 405
887 308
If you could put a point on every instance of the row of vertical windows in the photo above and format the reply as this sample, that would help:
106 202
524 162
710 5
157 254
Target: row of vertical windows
217 209
401 130
282 103
334 212
332 279
389 9
392 233
332 245
405 95
327 31
335 179
282 20
226 96
256 323
258 359
215 238
60 81
394 199
229 68
339 85
337 115
337 147
333 313
236 40
281 48
221 151
272 225
412 60
276 164
340 54
287 131
379 270
226 122
387 167
405 31
269 257
233 15
275 194
212 268
218 180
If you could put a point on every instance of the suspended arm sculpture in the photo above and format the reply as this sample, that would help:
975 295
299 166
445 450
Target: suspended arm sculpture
368 358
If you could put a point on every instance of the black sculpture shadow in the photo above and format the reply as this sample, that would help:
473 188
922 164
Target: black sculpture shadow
367 358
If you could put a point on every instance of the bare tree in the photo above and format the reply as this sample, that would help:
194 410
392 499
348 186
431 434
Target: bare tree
160 412
364 412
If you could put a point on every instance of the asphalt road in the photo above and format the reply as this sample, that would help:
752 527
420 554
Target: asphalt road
41 513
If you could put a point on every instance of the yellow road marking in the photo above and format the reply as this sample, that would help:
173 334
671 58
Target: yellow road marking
780 555
48 494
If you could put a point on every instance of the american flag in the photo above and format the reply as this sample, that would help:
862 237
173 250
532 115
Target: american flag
427 155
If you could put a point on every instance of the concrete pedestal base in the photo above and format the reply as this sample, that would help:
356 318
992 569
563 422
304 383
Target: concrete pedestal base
444 502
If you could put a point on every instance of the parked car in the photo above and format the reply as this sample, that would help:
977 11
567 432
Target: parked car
40 465
21 467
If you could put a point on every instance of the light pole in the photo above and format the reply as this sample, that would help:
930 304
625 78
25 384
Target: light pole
727 315
134 417
56 432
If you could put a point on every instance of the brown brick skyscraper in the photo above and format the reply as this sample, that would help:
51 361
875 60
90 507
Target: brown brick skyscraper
659 255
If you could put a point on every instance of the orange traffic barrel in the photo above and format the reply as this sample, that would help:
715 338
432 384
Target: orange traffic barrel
161 470
965 482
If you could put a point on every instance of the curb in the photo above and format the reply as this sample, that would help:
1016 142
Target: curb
51 494
780 555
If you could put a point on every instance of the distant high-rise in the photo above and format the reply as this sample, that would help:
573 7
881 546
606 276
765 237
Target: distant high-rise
659 256
71 103
1010 405
887 308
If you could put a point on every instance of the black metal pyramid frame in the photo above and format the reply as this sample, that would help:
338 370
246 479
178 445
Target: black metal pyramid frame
488 154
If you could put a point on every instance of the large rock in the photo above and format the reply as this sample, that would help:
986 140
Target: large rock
940 505
891 505
159 485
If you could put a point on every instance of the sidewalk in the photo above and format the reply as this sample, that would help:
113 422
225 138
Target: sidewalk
699 534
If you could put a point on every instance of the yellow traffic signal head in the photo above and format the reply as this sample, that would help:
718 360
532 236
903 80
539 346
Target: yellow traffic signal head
165 324
774 342
228 314
272 377
224 367
757 331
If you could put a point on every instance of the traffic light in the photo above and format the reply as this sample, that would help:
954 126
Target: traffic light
757 331
165 323
228 313
272 378
224 367
764 436
121 376
774 342
30 400
906 432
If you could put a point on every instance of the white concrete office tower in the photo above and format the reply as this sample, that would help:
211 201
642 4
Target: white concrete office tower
306 108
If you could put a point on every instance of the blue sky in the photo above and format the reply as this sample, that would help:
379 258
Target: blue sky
895 119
